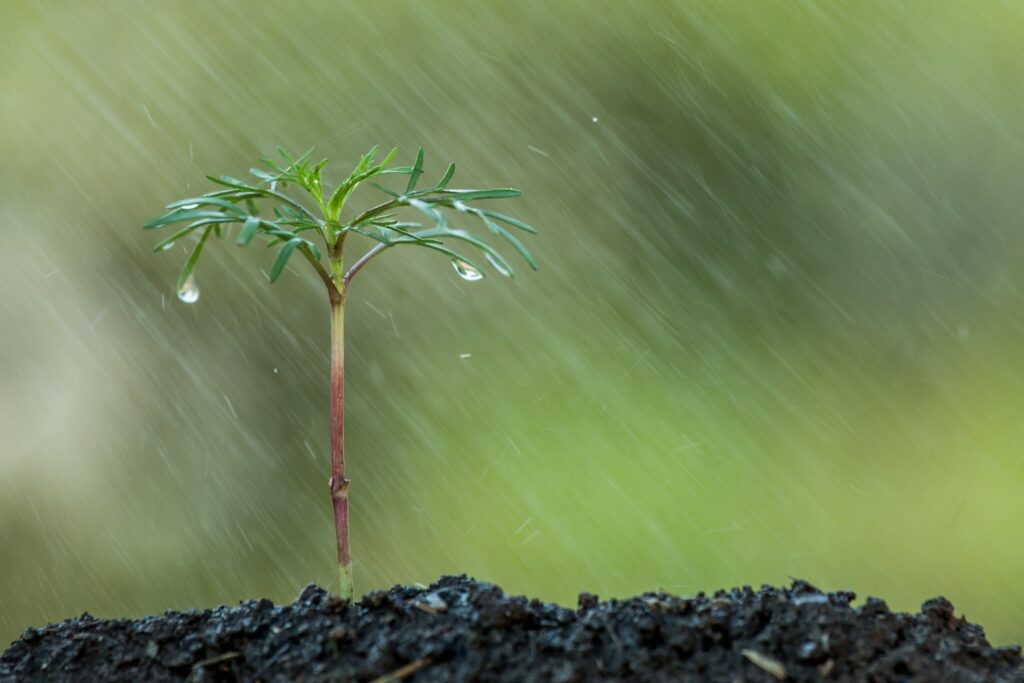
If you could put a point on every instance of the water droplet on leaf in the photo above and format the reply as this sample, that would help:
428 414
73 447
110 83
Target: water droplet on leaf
466 271
189 207
169 245
189 292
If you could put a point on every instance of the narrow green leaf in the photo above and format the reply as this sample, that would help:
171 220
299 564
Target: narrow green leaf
228 181
284 155
492 193
385 190
404 170
437 246
400 229
270 163
179 216
234 193
447 176
282 258
515 222
306 244
462 235
193 259
249 230
428 209
417 169
196 202
369 233
248 191
272 229
165 244
368 157
510 238
263 175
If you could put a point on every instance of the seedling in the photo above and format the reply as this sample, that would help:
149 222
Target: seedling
297 228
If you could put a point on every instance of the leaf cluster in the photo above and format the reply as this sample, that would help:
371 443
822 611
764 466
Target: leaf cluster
296 226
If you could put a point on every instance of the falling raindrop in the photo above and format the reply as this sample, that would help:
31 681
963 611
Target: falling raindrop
465 355
189 292
498 266
466 271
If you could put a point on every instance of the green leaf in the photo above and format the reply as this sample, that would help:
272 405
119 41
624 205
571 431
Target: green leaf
228 181
177 236
368 233
492 193
306 244
193 259
462 235
249 230
385 190
271 164
263 175
249 191
512 239
428 209
515 222
364 163
235 194
196 202
400 228
417 169
362 172
404 170
437 246
179 216
282 258
447 177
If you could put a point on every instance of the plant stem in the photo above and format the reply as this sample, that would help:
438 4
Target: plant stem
339 484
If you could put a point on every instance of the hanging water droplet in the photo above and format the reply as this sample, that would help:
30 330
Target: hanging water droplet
466 271
189 292
593 119
189 207
498 266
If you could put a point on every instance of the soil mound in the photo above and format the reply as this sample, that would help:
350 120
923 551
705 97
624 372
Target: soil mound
459 629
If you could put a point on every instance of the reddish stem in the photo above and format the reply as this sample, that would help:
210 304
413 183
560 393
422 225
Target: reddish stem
339 483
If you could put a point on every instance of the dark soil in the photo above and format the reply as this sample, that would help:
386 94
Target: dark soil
462 630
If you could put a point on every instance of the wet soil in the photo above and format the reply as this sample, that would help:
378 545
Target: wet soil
459 629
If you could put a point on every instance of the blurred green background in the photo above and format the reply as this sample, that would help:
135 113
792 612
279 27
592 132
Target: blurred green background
777 330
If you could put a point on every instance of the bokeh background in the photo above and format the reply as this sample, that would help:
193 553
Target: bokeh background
777 331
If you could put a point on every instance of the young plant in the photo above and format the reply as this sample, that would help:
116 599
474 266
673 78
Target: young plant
297 227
